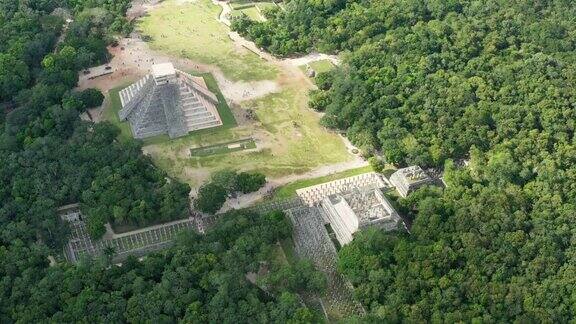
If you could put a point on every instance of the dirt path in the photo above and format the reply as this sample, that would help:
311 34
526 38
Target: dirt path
246 200
226 11
312 57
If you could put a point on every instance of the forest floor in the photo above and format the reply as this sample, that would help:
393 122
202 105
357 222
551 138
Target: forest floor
267 97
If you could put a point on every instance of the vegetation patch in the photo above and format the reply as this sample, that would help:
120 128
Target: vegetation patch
321 66
251 12
212 195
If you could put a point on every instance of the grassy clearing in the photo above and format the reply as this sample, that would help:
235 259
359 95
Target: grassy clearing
241 4
251 12
289 190
266 5
289 138
322 66
111 114
191 30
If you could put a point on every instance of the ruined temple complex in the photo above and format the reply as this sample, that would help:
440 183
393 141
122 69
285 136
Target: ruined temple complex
168 101
357 209
352 204
409 179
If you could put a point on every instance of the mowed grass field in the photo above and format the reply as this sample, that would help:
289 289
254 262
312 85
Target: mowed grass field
320 66
191 30
287 133
251 12
254 10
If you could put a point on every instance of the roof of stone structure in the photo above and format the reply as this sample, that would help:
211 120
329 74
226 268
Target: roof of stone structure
163 69
366 204
411 174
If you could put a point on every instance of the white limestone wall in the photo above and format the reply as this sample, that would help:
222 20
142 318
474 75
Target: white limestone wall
314 194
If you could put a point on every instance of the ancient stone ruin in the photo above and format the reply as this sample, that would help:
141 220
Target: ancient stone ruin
409 179
168 101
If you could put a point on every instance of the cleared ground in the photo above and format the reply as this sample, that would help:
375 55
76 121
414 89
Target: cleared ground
254 10
251 12
319 66
287 135
191 30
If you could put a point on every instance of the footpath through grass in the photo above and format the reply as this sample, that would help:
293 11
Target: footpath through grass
289 190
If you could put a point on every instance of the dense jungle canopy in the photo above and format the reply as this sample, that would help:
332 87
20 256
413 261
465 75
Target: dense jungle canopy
428 82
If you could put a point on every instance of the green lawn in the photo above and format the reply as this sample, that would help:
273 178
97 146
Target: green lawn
241 4
265 5
289 190
191 30
228 121
321 66
287 133
110 113
252 13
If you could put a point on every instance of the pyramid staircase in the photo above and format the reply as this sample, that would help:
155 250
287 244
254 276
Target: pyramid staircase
174 108
196 115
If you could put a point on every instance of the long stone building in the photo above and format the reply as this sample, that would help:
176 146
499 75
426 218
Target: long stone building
352 204
358 209
168 101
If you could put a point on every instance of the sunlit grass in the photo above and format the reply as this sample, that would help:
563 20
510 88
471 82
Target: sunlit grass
191 30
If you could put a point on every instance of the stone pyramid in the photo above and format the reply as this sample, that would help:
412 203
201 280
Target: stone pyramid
168 101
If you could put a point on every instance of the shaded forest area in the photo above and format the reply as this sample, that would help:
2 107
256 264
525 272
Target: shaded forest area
201 279
49 156
428 82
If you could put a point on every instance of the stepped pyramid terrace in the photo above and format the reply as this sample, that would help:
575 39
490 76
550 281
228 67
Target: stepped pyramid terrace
168 101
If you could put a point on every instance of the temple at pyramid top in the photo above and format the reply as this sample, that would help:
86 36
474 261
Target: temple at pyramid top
168 101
